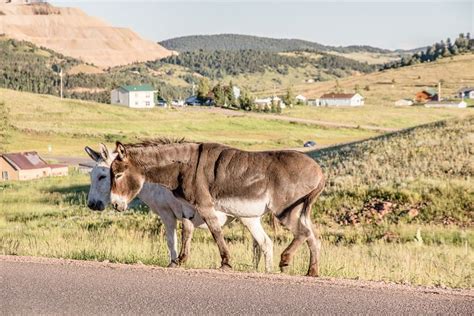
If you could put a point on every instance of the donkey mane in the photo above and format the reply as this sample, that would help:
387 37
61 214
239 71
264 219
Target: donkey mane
155 142
143 152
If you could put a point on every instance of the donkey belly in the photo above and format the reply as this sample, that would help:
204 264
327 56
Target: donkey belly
242 207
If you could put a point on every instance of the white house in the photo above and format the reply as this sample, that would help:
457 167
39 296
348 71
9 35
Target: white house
446 104
263 102
341 99
466 93
268 102
137 97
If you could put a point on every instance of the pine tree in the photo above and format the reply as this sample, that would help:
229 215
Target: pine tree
203 88
289 96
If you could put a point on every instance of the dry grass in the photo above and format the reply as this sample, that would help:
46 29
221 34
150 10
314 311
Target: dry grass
370 58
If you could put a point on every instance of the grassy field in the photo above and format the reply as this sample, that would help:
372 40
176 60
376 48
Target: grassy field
397 208
384 88
69 125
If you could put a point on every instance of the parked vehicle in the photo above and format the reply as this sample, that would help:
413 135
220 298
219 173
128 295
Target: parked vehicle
310 143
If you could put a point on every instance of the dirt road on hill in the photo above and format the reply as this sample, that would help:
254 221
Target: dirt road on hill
56 286
297 119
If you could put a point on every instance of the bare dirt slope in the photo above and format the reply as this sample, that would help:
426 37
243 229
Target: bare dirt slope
55 286
73 33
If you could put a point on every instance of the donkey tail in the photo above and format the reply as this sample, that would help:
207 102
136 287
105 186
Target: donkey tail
311 197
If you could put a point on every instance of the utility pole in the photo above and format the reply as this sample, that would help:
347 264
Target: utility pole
61 78
194 87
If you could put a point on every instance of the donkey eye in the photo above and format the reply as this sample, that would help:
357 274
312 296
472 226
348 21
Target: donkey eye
102 177
118 175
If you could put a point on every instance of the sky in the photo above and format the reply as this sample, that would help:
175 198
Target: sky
387 24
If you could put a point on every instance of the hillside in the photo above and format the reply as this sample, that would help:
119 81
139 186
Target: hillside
420 175
236 42
383 88
71 32
69 125
27 67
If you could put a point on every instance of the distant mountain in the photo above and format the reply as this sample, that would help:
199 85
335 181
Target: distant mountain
236 42
72 32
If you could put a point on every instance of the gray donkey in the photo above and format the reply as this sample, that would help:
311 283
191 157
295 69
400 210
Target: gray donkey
243 184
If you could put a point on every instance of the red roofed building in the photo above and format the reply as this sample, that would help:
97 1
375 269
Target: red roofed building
341 99
28 166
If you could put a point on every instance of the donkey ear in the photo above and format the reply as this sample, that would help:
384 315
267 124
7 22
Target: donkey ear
92 153
104 152
121 151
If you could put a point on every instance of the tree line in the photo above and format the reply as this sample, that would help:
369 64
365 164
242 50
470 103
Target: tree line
218 64
238 42
462 44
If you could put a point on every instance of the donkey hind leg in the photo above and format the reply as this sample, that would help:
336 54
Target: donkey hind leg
212 222
256 253
171 239
298 221
186 236
255 227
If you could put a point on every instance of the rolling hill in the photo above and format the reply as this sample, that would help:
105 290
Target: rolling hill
423 174
71 32
236 42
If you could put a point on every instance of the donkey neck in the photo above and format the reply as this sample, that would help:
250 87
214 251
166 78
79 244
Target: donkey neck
163 164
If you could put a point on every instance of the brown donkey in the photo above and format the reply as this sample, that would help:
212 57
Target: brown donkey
240 183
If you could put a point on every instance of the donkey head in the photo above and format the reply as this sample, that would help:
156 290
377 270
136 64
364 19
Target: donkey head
99 192
127 179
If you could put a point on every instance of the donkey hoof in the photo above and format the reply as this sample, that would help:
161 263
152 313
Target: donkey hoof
313 272
226 267
284 269
173 265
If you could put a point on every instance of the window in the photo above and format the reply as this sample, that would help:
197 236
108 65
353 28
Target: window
147 103
4 175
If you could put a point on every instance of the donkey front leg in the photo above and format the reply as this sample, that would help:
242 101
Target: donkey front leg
209 216
186 236
255 227
169 220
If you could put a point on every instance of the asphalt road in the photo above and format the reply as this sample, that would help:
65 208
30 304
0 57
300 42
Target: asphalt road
54 286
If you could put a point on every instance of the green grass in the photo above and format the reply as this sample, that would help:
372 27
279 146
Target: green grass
69 125
397 208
